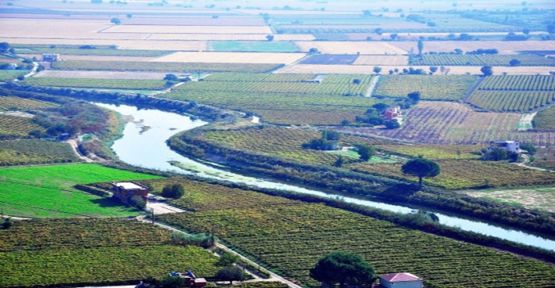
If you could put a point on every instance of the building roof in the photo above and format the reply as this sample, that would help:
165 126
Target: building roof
128 185
400 277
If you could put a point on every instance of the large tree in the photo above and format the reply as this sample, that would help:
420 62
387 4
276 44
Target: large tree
343 268
421 168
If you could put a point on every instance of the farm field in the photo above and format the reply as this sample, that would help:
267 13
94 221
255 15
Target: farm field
436 152
397 60
291 237
97 83
504 47
454 123
27 151
189 29
231 57
8 75
544 119
342 47
100 74
8 103
466 174
103 58
93 251
441 87
231 37
178 67
47 191
252 46
66 51
513 93
330 59
542 198
15 126
481 60
138 42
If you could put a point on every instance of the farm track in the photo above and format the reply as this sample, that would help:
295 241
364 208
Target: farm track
372 86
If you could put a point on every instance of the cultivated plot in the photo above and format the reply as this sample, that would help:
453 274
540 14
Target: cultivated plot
345 47
232 57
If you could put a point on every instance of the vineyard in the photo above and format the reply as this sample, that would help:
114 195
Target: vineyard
291 237
99 51
97 83
440 87
49 191
544 119
8 103
434 151
162 66
282 98
514 93
15 126
27 151
92 251
465 174
479 60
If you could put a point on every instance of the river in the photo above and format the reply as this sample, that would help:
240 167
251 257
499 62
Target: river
143 144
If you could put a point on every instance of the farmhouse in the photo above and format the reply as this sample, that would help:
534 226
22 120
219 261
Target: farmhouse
48 57
509 146
400 280
124 191
393 114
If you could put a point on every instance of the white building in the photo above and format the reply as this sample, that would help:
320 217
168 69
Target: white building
401 280
509 146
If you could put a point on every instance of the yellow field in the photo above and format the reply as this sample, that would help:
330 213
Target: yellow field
163 29
368 69
345 47
504 47
382 60
231 57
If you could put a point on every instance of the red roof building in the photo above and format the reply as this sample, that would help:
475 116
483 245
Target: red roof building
401 280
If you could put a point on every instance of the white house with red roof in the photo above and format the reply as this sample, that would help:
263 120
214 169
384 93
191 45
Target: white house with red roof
401 280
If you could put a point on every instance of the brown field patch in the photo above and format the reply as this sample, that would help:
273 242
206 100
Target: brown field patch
99 74
345 47
164 29
382 60
231 57
504 47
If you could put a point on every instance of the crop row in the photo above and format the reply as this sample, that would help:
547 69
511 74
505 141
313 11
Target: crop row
97 83
519 82
511 101
14 126
27 151
440 87
480 60
8 103
291 237
162 66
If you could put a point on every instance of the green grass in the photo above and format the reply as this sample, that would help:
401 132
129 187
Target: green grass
252 46
7 75
32 151
545 119
97 83
437 87
291 236
47 191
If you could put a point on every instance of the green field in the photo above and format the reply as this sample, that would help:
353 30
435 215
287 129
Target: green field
283 98
74 50
47 191
162 66
480 60
544 119
15 126
7 75
137 84
92 251
290 237
438 87
252 46
31 151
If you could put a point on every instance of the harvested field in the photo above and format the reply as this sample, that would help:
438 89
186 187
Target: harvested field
105 58
121 44
343 47
252 46
455 123
228 37
50 28
532 198
382 60
504 47
166 29
221 20
231 57
99 74
330 59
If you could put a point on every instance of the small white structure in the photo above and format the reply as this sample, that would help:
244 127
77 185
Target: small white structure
509 146
394 114
401 280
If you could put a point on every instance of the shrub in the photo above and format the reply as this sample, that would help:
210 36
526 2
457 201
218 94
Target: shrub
227 259
137 202
230 273
174 191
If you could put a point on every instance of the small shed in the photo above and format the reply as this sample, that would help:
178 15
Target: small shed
401 280
124 191
49 57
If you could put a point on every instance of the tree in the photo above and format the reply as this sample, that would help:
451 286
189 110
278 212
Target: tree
4 47
526 31
529 147
313 51
514 62
339 162
330 135
414 96
365 152
343 268
551 28
393 36
420 46
171 77
115 21
377 69
392 124
137 202
227 259
380 107
174 191
7 223
421 168
356 81
270 37
172 282
486 70
433 69
230 273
